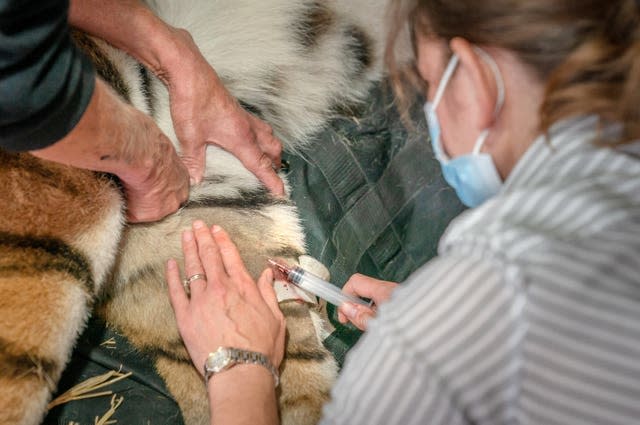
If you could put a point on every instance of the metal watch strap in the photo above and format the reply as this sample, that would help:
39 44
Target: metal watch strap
225 358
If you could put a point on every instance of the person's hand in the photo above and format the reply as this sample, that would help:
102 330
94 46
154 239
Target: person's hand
203 112
365 287
228 308
159 183
114 137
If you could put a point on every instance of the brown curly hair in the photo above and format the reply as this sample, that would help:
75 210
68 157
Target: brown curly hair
586 51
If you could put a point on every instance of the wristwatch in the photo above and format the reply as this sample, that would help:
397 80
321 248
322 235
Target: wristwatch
225 358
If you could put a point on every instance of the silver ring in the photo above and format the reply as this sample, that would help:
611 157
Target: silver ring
187 282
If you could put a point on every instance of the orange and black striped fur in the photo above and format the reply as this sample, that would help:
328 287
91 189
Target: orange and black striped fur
65 251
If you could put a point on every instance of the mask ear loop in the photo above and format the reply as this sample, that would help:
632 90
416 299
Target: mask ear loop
444 81
499 101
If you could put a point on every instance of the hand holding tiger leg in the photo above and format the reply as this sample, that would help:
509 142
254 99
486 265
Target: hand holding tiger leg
367 287
202 110
229 310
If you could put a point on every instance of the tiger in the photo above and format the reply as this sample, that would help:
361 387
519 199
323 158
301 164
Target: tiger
66 251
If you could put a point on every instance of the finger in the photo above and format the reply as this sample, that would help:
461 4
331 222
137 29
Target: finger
368 287
231 259
269 144
265 286
182 192
209 254
192 263
269 177
342 318
146 204
177 294
193 157
261 166
357 314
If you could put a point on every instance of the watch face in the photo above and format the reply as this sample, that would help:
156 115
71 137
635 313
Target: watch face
219 361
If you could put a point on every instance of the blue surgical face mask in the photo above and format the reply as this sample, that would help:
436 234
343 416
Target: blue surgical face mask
473 176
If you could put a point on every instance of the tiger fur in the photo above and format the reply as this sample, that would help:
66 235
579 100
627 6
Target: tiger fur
65 250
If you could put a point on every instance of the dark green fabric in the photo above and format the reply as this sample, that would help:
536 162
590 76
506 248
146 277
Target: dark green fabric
146 399
372 200
46 83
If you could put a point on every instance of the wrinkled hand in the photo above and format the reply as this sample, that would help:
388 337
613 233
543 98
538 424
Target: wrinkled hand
203 112
159 182
114 137
365 287
228 308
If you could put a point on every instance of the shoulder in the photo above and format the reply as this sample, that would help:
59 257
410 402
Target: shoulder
566 190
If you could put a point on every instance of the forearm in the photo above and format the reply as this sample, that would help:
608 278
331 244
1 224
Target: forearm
159 46
243 395
103 139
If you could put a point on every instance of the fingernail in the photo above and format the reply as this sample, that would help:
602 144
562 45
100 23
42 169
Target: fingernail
192 181
198 224
171 264
272 276
349 310
187 235
216 228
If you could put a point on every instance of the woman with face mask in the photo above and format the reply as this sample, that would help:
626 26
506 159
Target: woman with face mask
531 311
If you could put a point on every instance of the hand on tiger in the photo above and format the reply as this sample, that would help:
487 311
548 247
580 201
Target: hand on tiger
227 308
204 112
127 143
365 287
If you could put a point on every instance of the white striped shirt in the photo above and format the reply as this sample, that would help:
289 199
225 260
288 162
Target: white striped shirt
529 315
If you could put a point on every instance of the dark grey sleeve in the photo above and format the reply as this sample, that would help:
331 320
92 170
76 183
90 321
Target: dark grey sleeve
45 81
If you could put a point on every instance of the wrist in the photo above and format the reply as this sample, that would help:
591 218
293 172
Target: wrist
226 358
148 38
180 63
244 394
241 376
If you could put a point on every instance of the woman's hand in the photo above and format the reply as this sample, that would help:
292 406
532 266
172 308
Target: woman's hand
365 287
203 112
228 308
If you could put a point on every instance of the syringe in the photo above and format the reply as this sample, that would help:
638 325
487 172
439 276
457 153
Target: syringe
312 283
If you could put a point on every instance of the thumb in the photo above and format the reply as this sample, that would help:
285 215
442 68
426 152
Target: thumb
265 286
193 157
263 170
260 165
356 314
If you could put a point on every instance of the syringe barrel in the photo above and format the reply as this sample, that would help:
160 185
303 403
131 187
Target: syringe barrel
321 288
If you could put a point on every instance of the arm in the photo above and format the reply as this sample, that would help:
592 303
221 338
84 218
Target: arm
427 356
53 106
243 395
228 309
202 110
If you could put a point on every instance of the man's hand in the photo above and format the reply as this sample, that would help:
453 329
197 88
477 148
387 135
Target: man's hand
158 182
204 112
116 138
